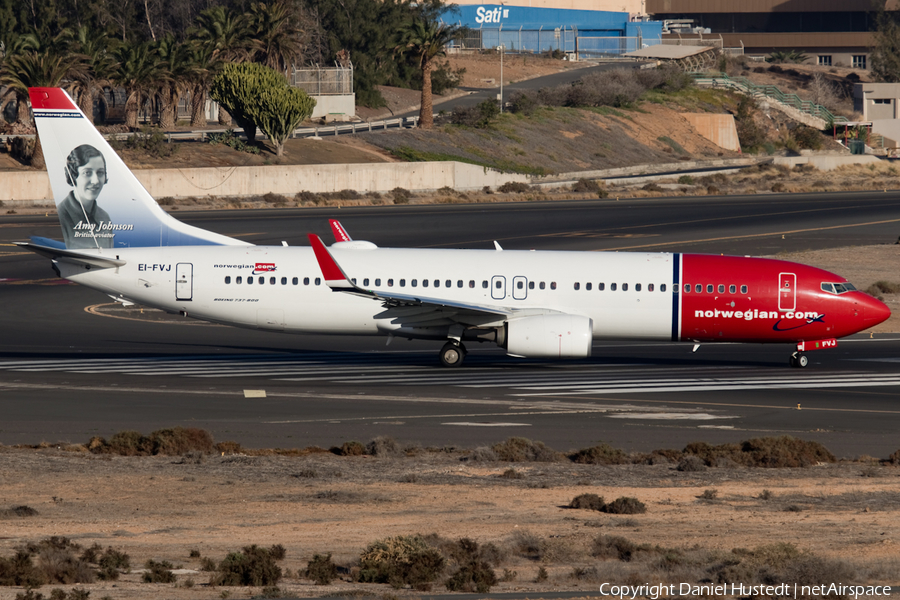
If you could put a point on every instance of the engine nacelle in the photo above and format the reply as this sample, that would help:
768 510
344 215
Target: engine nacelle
556 336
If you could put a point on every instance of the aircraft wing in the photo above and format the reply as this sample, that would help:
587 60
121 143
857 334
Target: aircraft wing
414 310
75 256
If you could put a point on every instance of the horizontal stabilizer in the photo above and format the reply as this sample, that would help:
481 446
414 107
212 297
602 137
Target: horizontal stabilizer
76 256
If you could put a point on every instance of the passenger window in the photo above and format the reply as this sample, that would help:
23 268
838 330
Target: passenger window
237 279
459 283
687 288
390 283
587 286
721 288
228 279
437 283
249 280
378 281
520 285
624 287
612 287
637 287
698 288
732 289
530 285
484 284
709 288
402 283
601 286
662 288
577 285
306 281
353 280
424 283
284 281
743 289
295 281
543 285
318 280
366 282
649 287
471 283
272 281
552 285
498 284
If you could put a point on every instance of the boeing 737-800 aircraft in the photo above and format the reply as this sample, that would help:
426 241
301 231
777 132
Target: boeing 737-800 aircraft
533 304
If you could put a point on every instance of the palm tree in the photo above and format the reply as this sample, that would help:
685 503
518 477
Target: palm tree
275 34
178 70
220 36
38 69
13 46
424 39
138 70
97 49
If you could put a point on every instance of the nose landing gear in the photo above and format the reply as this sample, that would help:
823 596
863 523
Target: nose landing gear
799 360
452 354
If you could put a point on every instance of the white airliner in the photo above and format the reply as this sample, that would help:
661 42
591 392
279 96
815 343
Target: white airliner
533 304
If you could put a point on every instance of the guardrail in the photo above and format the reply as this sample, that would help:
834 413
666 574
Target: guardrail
300 132
745 86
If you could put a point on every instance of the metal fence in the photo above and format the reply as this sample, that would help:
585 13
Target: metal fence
588 46
333 81
520 40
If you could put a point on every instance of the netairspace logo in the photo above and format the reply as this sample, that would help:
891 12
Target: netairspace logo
739 590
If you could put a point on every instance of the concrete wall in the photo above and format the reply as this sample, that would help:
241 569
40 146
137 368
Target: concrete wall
34 187
334 104
888 95
719 129
827 162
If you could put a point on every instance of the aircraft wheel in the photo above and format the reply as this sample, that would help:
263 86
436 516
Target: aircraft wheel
452 354
798 360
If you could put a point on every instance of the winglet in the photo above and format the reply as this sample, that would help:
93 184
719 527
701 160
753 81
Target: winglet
335 278
340 234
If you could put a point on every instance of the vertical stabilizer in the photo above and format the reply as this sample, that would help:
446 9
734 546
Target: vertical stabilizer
100 202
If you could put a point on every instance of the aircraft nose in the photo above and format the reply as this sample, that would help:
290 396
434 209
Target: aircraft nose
874 311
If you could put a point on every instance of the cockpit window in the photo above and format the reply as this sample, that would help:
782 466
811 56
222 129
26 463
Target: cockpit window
838 288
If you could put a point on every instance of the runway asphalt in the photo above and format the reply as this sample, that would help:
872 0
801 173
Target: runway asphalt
67 374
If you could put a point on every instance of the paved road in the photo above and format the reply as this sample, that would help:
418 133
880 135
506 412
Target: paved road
67 374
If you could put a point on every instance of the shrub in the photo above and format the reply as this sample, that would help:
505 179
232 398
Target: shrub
401 560
529 545
321 569
523 102
19 570
517 449
481 116
383 446
474 573
686 180
170 442
613 546
625 505
601 454
158 572
587 501
586 185
652 187
514 187
18 511
710 494
542 575
400 195
511 474
691 464
784 451
352 448
253 565
111 562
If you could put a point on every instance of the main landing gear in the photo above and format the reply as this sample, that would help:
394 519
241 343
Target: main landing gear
452 354
799 360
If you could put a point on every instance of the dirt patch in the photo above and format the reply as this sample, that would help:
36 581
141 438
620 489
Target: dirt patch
483 70
163 508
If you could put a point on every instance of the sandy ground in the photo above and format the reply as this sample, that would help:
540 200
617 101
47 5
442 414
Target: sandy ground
156 507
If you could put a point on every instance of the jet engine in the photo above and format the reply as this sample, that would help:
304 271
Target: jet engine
556 336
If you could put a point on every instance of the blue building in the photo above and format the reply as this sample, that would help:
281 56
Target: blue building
528 29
